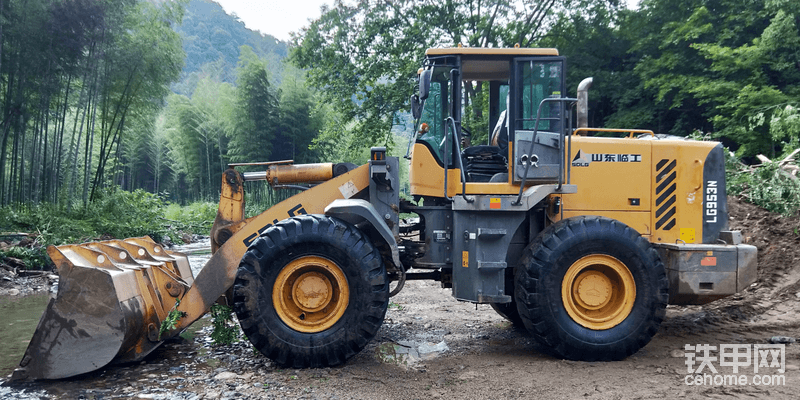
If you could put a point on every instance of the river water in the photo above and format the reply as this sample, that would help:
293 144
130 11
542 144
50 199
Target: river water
19 315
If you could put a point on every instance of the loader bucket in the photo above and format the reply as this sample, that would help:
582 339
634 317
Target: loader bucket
112 297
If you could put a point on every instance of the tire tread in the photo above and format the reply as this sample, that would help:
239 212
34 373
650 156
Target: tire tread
536 312
359 324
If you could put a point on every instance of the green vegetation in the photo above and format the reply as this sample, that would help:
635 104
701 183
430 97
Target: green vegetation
225 330
85 102
212 41
115 214
78 78
172 319
767 186
220 123
31 257
194 218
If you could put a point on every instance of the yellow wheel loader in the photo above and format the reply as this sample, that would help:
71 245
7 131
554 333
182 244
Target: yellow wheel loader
581 235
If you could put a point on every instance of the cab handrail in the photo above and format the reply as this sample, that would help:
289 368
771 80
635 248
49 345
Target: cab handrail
577 132
561 138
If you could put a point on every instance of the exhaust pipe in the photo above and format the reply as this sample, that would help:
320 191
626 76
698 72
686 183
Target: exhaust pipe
583 102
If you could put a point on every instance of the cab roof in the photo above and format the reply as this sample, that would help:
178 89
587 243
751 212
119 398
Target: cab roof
513 51
488 64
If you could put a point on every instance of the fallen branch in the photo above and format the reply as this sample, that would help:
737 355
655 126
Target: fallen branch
9 268
14 234
14 262
786 167
29 273
188 224
789 158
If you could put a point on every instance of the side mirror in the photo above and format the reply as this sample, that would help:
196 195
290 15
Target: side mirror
416 107
425 83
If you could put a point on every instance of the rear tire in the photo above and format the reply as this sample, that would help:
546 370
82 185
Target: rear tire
591 289
311 291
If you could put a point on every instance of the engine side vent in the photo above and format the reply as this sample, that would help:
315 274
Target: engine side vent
665 194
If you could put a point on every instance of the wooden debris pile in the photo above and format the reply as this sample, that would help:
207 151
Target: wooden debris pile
8 242
788 166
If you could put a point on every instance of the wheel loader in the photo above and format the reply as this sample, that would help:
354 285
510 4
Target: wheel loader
580 235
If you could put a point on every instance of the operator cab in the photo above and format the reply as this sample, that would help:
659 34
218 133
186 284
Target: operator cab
455 87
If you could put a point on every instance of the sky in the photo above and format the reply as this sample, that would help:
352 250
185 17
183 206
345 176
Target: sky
279 17
275 17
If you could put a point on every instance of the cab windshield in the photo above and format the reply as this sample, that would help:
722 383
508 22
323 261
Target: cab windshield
489 99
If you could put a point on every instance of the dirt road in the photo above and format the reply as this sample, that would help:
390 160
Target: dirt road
464 353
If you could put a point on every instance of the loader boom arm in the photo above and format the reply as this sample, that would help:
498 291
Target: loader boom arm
114 295
218 275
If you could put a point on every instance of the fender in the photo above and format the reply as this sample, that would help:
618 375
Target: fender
356 211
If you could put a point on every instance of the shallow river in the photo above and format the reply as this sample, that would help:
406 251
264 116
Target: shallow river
18 318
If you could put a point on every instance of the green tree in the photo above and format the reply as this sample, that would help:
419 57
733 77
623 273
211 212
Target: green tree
718 66
212 36
158 152
299 122
198 129
145 59
256 111
594 43
752 90
362 56
74 76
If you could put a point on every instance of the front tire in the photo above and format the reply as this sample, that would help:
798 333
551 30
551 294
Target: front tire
591 289
311 291
509 310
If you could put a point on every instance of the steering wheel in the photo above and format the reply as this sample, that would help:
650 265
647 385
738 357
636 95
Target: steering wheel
466 138
465 132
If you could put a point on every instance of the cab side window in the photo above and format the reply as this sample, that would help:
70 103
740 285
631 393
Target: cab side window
540 80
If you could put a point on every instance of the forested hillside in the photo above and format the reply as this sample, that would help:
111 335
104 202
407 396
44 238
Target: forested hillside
138 94
212 39
236 101
77 79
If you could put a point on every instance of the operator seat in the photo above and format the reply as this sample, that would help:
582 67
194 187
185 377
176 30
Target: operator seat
483 162
500 133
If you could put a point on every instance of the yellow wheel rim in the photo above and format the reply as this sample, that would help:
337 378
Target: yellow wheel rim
310 294
598 291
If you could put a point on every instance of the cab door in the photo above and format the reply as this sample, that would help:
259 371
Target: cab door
537 79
